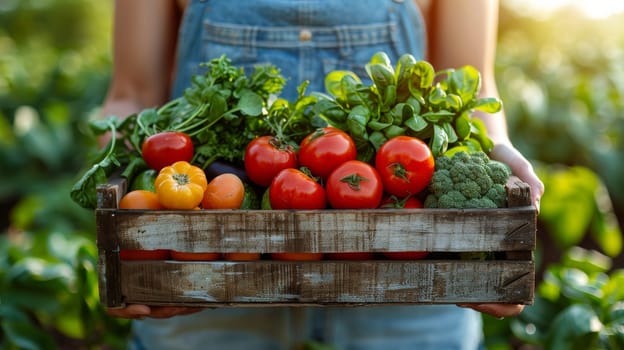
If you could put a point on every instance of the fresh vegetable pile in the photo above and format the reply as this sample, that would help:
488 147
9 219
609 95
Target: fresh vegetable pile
406 138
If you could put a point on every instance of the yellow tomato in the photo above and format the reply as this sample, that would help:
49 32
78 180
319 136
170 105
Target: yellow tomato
180 186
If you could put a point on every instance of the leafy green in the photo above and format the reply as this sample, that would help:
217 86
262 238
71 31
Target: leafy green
579 306
410 98
222 110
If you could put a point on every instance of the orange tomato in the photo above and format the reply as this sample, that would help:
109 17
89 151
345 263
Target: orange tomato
241 256
297 256
226 191
192 256
140 199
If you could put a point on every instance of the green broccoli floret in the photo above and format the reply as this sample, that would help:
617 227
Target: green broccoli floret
451 199
468 181
481 203
459 171
440 182
479 158
498 195
443 163
431 201
499 172
469 188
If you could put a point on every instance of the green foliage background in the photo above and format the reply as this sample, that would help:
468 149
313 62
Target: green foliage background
562 82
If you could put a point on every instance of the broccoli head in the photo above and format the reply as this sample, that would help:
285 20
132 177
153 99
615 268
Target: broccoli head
468 181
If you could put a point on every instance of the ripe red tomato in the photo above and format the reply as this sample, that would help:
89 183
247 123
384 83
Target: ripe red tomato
293 189
354 185
405 165
141 254
325 149
390 202
409 202
265 156
167 147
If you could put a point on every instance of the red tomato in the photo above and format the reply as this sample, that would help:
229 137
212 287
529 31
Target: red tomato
140 254
394 202
409 202
192 256
293 189
405 165
166 148
350 256
354 185
265 156
325 149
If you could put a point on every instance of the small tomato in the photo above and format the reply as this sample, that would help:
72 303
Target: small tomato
354 185
167 147
180 186
140 199
265 156
293 189
325 149
405 165
226 191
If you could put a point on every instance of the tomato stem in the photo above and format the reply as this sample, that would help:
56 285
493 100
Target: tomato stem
353 181
399 171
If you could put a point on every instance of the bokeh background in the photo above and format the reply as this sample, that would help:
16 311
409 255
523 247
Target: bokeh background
560 69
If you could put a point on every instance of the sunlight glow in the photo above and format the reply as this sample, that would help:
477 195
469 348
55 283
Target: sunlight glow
595 9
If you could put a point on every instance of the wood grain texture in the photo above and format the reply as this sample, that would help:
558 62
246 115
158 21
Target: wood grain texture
216 284
326 231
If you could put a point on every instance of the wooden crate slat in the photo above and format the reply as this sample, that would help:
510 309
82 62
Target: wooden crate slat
327 231
327 283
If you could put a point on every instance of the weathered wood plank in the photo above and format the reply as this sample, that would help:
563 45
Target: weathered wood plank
109 270
328 230
215 284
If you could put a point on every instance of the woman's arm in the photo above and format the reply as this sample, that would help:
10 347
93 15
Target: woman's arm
144 41
465 33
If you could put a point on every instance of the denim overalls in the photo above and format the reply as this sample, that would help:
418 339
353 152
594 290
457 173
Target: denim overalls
305 39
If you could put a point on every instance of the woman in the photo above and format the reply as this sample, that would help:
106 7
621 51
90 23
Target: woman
158 45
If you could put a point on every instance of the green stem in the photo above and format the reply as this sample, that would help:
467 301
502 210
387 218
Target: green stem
198 111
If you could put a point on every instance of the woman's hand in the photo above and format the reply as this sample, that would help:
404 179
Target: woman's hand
521 168
496 310
138 311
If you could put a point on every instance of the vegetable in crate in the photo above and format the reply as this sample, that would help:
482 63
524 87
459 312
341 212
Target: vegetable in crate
468 180
410 98
221 111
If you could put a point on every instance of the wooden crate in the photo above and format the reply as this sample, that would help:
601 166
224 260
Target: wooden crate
507 233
